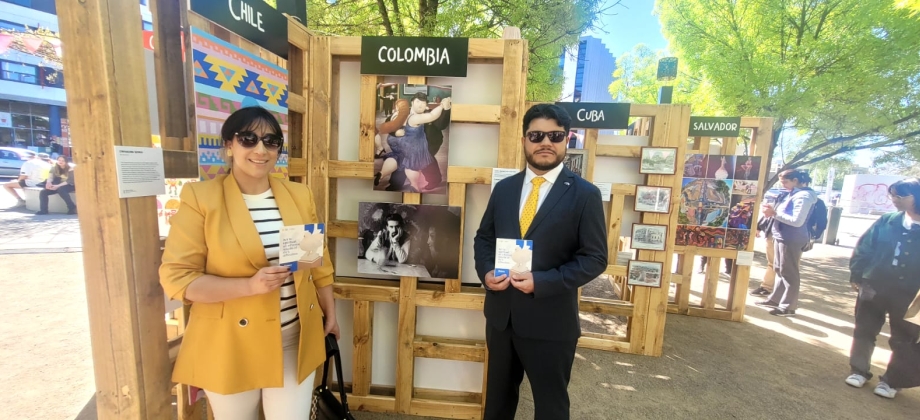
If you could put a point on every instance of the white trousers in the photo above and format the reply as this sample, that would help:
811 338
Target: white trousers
292 402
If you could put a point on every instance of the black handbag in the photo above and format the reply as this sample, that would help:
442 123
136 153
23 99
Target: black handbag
325 404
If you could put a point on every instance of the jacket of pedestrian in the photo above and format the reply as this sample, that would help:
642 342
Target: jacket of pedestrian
792 214
874 259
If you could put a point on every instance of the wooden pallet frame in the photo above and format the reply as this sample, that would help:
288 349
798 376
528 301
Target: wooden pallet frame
679 303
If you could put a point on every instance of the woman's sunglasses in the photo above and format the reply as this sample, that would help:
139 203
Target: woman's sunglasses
249 139
554 136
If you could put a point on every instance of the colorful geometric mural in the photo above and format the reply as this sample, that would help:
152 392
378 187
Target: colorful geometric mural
228 78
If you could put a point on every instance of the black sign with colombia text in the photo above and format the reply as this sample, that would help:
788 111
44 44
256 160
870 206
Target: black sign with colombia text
597 114
715 126
251 19
414 56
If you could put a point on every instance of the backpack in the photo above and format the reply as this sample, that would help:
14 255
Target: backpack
817 220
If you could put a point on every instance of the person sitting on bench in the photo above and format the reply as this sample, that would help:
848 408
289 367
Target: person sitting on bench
60 183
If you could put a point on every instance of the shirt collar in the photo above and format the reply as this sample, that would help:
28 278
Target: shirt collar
908 222
550 176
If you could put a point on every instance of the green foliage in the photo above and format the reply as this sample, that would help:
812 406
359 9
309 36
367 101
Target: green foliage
549 26
842 165
842 75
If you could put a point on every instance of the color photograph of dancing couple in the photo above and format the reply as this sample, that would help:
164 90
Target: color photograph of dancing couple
411 143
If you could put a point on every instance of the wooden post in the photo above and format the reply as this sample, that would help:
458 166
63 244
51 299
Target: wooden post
108 108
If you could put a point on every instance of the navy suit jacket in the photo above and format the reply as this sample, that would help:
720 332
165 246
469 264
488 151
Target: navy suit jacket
569 236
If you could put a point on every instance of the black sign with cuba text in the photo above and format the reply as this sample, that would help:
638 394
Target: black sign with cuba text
251 19
597 114
715 126
414 56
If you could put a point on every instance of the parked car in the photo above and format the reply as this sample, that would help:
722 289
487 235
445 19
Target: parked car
11 159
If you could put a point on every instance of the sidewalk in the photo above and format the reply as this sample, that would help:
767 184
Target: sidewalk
23 232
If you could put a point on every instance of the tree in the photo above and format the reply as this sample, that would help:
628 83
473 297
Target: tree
636 81
549 26
843 75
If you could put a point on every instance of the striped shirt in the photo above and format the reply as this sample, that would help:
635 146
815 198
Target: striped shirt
267 218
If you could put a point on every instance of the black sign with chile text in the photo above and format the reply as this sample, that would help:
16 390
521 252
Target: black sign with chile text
597 114
251 19
715 126
414 56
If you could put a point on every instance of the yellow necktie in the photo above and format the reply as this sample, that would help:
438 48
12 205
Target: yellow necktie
530 207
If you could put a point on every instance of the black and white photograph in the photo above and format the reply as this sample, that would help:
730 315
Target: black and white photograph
658 160
653 199
650 237
576 161
414 240
411 139
644 273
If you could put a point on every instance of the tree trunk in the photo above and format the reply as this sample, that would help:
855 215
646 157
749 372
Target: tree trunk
385 16
777 132
428 16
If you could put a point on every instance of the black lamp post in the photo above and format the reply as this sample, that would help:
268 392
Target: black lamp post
667 71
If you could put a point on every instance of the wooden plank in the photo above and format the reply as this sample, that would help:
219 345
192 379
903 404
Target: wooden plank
363 339
297 103
346 46
412 198
405 354
349 169
485 381
616 270
124 297
615 225
711 285
367 111
611 150
372 403
448 395
706 252
469 175
320 86
298 35
623 189
591 152
417 80
170 74
477 114
605 306
510 151
640 110
297 72
605 345
456 196
450 348
180 164
683 298
439 299
365 292
342 229
442 409
297 167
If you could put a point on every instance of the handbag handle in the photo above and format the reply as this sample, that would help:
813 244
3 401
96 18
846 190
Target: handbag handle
332 351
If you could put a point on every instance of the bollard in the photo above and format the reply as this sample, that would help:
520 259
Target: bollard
833 224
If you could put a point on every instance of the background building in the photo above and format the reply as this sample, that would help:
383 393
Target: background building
593 71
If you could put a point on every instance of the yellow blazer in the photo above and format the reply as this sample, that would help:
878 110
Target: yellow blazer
235 345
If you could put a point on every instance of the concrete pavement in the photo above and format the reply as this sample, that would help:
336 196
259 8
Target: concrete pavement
24 232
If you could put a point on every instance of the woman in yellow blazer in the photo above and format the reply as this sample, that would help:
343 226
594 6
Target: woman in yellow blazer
256 331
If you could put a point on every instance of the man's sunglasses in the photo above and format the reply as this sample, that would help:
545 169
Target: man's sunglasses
249 139
554 136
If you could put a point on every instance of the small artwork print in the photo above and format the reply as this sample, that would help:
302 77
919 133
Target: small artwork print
700 236
650 237
411 139
302 246
653 199
737 239
575 160
644 273
744 187
742 211
413 240
704 202
513 256
658 160
695 166
720 166
747 168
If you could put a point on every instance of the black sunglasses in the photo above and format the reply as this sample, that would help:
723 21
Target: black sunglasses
554 136
249 139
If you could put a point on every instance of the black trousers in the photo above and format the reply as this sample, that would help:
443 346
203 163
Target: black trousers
64 191
904 366
548 365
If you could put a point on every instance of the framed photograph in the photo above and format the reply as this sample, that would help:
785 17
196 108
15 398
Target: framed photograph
658 160
650 237
576 160
653 199
644 273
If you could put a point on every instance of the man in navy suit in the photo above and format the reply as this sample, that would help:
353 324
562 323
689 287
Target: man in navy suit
532 320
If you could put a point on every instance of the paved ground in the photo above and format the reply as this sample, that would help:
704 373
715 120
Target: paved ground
763 368
22 231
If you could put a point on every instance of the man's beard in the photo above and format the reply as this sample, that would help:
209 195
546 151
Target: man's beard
543 167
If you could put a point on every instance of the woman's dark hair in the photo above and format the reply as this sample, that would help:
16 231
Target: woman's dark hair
248 118
907 187
549 112
796 174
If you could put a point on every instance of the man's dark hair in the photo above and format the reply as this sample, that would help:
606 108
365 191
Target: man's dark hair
395 217
907 187
422 96
549 112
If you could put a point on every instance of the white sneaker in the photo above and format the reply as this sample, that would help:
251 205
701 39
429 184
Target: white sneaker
856 380
883 390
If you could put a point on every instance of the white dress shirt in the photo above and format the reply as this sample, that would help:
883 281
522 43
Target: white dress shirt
550 177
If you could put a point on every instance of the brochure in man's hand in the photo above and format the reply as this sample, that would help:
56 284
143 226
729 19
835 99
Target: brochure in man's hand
302 246
513 256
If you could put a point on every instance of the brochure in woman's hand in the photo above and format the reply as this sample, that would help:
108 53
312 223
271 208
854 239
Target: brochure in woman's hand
302 246
513 256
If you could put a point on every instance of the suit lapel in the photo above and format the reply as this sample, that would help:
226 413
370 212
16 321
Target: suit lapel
241 222
562 184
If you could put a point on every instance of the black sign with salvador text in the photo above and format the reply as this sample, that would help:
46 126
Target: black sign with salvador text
715 126
414 56
597 114
251 19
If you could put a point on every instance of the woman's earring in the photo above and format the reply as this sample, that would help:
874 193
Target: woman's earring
229 153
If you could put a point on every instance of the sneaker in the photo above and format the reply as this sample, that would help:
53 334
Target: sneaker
766 302
783 312
41 212
856 380
883 390
21 203
760 291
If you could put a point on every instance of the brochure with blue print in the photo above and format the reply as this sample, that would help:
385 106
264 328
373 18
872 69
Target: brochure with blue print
302 246
513 256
